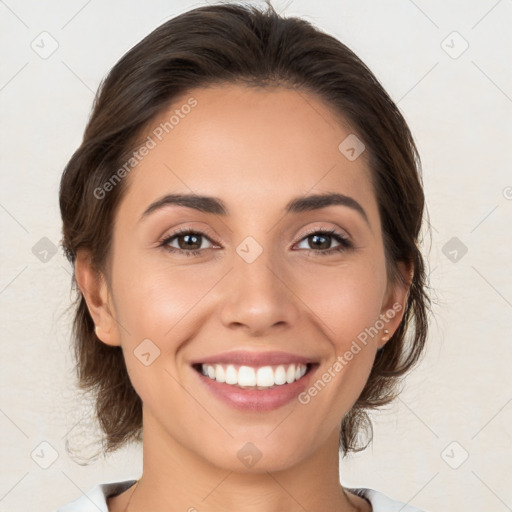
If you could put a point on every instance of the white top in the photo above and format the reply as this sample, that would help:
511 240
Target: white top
95 500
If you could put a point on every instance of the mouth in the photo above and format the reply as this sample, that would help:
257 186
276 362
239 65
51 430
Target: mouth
255 381
255 377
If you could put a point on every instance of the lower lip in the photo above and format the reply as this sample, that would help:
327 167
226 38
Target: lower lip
257 399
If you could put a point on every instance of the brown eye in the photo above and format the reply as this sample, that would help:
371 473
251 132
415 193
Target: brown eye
192 241
320 242
189 242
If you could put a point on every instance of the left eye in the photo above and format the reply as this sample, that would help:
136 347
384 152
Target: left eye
321 239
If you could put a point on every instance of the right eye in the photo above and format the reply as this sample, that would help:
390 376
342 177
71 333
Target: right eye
190 238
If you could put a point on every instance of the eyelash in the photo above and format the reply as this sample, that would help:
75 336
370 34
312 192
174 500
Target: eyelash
345 243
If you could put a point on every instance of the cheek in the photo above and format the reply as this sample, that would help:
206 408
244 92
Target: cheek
152 300
347 298
157 303
153 305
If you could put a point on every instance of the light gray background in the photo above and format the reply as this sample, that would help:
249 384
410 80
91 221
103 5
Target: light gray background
458 105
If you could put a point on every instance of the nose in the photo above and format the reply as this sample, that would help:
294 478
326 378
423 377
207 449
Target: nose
258 297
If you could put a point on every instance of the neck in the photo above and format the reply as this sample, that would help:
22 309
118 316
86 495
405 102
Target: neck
177 479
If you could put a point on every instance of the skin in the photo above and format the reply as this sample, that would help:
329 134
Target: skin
255 149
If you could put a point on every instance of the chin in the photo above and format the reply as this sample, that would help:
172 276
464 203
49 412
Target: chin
256 456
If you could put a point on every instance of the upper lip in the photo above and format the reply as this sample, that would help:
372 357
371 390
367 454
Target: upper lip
248 358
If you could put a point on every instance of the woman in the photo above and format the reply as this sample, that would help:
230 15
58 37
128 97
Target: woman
243 218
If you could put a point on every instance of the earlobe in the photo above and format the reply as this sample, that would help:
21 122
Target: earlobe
396 301
93 287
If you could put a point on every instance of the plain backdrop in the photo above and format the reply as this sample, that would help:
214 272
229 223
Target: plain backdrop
445 444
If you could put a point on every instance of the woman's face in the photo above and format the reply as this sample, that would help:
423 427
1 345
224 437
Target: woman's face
254 279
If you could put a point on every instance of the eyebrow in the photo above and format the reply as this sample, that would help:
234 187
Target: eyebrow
216 206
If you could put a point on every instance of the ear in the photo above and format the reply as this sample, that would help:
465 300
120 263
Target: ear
93 286
393 307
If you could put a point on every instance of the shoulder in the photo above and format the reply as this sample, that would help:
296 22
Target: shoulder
95 499
381 502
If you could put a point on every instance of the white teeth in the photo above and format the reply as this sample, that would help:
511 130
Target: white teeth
220 375
231 375
248 376
265 376
290 374
280 375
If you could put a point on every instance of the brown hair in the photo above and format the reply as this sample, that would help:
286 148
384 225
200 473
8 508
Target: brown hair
228 43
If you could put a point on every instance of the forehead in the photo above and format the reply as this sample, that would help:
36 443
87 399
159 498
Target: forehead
247 144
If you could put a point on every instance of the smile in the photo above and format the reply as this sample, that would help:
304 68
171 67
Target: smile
249 377
257 381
